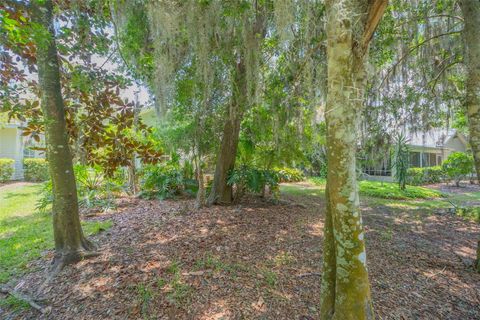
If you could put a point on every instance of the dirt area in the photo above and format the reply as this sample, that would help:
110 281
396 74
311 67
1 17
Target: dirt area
465 187
163 260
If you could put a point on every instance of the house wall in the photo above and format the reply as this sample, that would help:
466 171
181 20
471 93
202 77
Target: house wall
11 147
456 144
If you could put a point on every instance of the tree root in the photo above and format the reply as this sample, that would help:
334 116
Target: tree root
23 297
62 260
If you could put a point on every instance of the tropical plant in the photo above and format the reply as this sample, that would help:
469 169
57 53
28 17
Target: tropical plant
290 174
167 180
401 160
248 179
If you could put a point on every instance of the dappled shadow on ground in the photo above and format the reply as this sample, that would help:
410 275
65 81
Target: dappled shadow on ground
163 260
420 264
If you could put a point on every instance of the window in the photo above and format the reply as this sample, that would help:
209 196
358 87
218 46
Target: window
27 149
428 159
415 159
439 160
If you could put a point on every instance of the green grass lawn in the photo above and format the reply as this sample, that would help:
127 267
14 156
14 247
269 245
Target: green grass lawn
25 233
388 190
389 195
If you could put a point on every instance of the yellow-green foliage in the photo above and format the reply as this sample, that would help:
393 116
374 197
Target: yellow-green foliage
35 169
388 190
290 174
6 169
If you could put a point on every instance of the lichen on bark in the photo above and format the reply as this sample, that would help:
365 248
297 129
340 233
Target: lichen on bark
471 14
345 284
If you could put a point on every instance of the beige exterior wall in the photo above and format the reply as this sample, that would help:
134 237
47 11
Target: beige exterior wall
11 147
456 144
8 142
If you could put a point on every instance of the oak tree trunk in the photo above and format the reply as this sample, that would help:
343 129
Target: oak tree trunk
471 15
345 292
70 243
221 192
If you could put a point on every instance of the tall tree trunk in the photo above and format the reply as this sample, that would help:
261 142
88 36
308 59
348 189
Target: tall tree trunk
132 166
471 15
70 243
221 192
345 285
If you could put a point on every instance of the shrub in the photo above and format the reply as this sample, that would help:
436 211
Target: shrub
249 179
421 176
457 166
94 188
35 170
162 181
290 174
6 169
97 190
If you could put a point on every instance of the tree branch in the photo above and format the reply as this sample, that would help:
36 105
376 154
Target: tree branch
375 14
412 49
17 4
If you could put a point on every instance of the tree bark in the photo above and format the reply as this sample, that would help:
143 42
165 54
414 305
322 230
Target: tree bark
471 15
200 199
70 243
221 192
345 290
477 262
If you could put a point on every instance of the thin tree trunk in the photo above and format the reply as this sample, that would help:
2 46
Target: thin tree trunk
132 167
471 15
477 262
200 200
70 243
221 192
345 285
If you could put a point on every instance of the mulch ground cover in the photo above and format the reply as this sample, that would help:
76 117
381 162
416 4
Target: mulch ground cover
256 260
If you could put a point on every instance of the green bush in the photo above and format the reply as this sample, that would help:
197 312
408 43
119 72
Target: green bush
471 213
249 179
421 176
6 169
290 174
97 190
457 166
35 170
94 188
168 180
